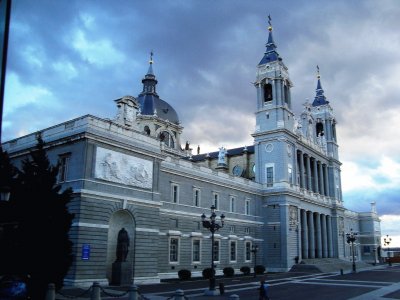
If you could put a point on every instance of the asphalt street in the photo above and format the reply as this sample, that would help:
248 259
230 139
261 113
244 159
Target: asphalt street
377 282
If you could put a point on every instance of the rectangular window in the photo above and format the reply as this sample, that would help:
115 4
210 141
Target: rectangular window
248 251
173 249
216 201
270 176
247 230
232 246
63 168
232 204
196 197
196 225
196 251
247 207
173 223
232 229
216 251
174 193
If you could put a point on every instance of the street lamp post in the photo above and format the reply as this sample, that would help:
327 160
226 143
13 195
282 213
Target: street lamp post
386 242
213 227
254 249
351 238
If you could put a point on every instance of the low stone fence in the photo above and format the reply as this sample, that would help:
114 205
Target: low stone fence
133 293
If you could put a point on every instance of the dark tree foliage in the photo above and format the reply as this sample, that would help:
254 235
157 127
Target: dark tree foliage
43 251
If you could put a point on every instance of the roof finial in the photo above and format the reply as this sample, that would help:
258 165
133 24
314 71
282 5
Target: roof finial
151 57
318 75
269 22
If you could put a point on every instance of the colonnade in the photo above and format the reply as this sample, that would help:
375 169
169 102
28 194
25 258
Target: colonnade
316 235
312 174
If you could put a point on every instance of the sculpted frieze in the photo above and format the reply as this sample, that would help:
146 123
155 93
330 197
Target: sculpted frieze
121 168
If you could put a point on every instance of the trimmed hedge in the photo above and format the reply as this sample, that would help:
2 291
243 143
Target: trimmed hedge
245 270
228 271
259 269
207 273
184 274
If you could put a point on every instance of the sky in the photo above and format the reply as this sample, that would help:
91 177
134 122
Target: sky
68 58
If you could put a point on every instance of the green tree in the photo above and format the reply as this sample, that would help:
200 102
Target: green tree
44 251
8 175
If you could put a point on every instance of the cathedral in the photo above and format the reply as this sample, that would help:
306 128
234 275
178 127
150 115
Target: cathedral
281 195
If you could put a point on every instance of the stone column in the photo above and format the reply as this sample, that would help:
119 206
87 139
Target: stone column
308 173
311 235
316 189
302 180
326 180
329 232
321 179
274 93
278 85
324 236
318 235
304 234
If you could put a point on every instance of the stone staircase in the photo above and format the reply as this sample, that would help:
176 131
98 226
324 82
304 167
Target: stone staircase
326 265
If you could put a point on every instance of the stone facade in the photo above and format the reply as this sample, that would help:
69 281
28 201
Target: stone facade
282 194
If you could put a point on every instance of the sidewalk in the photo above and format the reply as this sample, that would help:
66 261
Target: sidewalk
371 281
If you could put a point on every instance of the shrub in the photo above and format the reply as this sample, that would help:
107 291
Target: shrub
259 269
184 274
245 270
228 271
207 273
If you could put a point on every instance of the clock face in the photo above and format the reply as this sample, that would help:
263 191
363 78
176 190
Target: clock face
237 170
269 147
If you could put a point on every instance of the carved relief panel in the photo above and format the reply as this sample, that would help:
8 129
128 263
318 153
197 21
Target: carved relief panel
121 168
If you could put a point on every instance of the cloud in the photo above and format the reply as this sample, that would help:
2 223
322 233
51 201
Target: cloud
101 52
366 181
66 69
19 95
360 175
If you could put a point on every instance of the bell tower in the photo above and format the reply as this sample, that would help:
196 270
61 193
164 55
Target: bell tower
325 122
274 116
273 86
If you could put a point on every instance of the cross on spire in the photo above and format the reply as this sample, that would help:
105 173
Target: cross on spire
269 22
151 57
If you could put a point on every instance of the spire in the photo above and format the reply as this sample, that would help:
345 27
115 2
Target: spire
146 98
270 54
320 98
149 81
150 71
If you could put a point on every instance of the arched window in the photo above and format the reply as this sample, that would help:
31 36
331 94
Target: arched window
166 137
267 92
147 130
320 129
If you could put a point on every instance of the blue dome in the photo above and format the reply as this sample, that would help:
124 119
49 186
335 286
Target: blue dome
150 102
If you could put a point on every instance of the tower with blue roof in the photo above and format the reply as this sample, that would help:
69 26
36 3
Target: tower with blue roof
297 166
156 117
273 111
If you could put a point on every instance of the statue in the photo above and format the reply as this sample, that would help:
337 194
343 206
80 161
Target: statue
221 156
122 245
